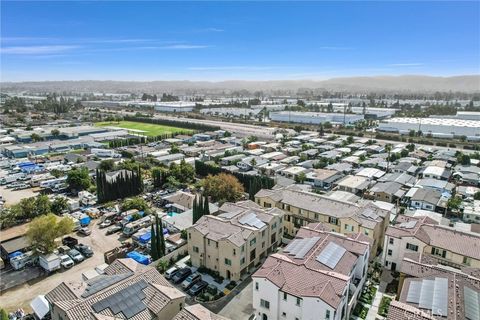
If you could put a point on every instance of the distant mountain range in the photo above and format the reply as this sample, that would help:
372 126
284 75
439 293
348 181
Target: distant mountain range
406 83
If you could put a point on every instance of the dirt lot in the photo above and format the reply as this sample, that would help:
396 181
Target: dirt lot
12 197
21 296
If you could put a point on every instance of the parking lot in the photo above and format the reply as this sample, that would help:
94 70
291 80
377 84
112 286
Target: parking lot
12 197
21 296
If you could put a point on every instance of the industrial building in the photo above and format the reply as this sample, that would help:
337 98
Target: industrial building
440 128
315 117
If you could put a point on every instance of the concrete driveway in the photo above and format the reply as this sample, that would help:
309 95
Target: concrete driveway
240 307
21 296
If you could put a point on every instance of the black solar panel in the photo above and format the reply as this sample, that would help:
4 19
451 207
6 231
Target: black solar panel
101 282
127 301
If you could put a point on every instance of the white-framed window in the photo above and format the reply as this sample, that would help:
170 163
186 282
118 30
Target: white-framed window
265 304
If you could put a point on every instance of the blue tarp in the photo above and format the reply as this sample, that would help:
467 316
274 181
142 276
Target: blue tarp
14 254
140 258
144 238
85 220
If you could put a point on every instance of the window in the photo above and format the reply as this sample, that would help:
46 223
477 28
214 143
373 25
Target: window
263 244
208 241
195 249
267 205
298 301
253 241
285 295
216 244
332 220
439 252
242 261
467 261
263 233
256 285
234 251
284 314
274 225
389 252
265 304
327 314
412 247
349 228
390 240
228 262
189 236
365 232
243 248
316 216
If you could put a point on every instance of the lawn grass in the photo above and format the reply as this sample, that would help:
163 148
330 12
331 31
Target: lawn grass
151 130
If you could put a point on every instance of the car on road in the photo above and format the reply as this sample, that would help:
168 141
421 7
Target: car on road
85 250
181 275
70 241
114 229
66 261
191 280
85 231
197 288
106 223
76 255
170 272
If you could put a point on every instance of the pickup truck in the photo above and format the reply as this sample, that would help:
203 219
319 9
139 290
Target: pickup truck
70 241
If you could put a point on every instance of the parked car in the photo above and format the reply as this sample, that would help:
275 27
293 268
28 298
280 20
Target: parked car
181 275
63 249
76 255
106 223
170 272
197 288
85 250
66 261
85 231
70 241
191 280
114 229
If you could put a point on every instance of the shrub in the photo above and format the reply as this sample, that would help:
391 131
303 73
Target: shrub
384 305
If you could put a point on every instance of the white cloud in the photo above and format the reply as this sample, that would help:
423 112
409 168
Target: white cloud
36 50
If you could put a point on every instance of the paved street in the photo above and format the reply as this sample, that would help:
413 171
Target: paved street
240 307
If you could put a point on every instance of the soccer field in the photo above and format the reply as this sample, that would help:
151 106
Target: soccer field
148 129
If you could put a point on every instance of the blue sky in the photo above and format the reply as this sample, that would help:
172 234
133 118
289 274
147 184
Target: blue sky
236 40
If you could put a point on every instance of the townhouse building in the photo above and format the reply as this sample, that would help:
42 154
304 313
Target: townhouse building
302 207
423 235
319 275
235 240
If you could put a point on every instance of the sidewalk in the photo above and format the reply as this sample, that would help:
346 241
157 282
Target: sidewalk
385 279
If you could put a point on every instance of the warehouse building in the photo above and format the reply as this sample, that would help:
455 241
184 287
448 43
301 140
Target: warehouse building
440 128
315 117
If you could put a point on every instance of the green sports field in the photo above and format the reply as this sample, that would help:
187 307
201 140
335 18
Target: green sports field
148 129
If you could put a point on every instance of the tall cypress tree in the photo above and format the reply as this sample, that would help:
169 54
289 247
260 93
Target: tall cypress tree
153 244
160 238
206 208
195 211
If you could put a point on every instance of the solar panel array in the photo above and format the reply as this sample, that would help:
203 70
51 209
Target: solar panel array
127 301
430 294
331 254
300 247
103 281
472 304
408 225
252 220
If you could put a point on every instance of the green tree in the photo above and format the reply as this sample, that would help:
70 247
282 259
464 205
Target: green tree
206 208
59 205
3 314
135 203
160 236
78 179
454 203
153 243
174 149
162 265
43 231
55 133
300 178
107 165
476 196
35 137
222 187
